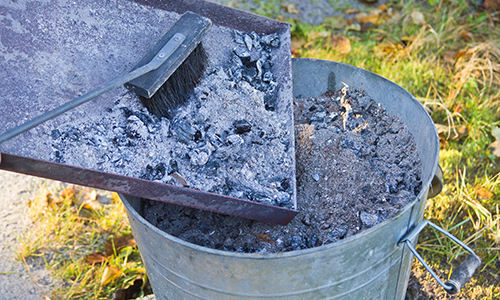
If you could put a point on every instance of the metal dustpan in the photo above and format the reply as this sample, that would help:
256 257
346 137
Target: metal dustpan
52 52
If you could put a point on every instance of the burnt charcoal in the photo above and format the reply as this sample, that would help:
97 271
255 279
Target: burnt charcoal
391 188
285 185
156 173
136 128
295 243
242 126
127 112
271 96
173 167
121 141
249 73
234 140
243 53
55 134
268 77
73 134
182 130
369 220
248 42
319 116
336 234
57 156
198 238
312 241
198 157
271 40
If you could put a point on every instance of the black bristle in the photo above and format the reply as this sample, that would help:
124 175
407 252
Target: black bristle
180 85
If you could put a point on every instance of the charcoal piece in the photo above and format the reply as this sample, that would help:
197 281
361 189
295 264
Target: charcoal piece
248 42
234 140
369 220
336 234
173 167
199 157
268 77
73 134
121 140
242 126
312 241
249 72
271 96
271 40
136 128
294 243
55 134
243 53
156 173
197 238
182 130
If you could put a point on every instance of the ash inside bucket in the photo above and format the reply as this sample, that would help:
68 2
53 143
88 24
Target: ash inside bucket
230 139
356 167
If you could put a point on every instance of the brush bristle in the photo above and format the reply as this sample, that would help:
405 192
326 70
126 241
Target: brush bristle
180 85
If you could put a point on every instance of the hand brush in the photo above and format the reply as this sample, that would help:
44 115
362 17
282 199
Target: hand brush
163 79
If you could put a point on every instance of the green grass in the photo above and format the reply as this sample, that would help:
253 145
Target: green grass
451 64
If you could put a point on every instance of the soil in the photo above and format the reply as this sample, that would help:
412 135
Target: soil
356 167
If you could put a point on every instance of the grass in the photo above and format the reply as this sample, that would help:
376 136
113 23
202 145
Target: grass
71 237
450 62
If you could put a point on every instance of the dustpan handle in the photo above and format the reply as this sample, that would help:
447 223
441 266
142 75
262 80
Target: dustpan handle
154 64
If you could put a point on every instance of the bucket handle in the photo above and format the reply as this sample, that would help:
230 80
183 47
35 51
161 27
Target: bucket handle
460 274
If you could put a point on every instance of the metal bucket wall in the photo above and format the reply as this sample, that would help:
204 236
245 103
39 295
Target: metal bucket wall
369 265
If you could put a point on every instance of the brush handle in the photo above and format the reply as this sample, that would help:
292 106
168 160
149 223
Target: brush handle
154 64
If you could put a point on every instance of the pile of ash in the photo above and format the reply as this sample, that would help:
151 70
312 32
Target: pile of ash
357 166
229 139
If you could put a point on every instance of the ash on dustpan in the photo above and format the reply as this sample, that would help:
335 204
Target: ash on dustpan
234 137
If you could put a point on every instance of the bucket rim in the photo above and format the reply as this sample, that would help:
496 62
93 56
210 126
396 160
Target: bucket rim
422 196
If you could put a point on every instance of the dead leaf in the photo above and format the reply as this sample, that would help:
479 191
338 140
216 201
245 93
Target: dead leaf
353 27
179 179
68 192
383 7
341 44
495 148
351 11
491 5
371 18
417 17
266 237
95 258
483 193
290 8
45 297
109 274
130 292
118 243
467 36
449 56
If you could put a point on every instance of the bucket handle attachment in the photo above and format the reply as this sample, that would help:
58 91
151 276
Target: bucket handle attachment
460 274
437 183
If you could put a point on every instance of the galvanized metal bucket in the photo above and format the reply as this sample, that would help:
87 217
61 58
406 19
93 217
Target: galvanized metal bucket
374 264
